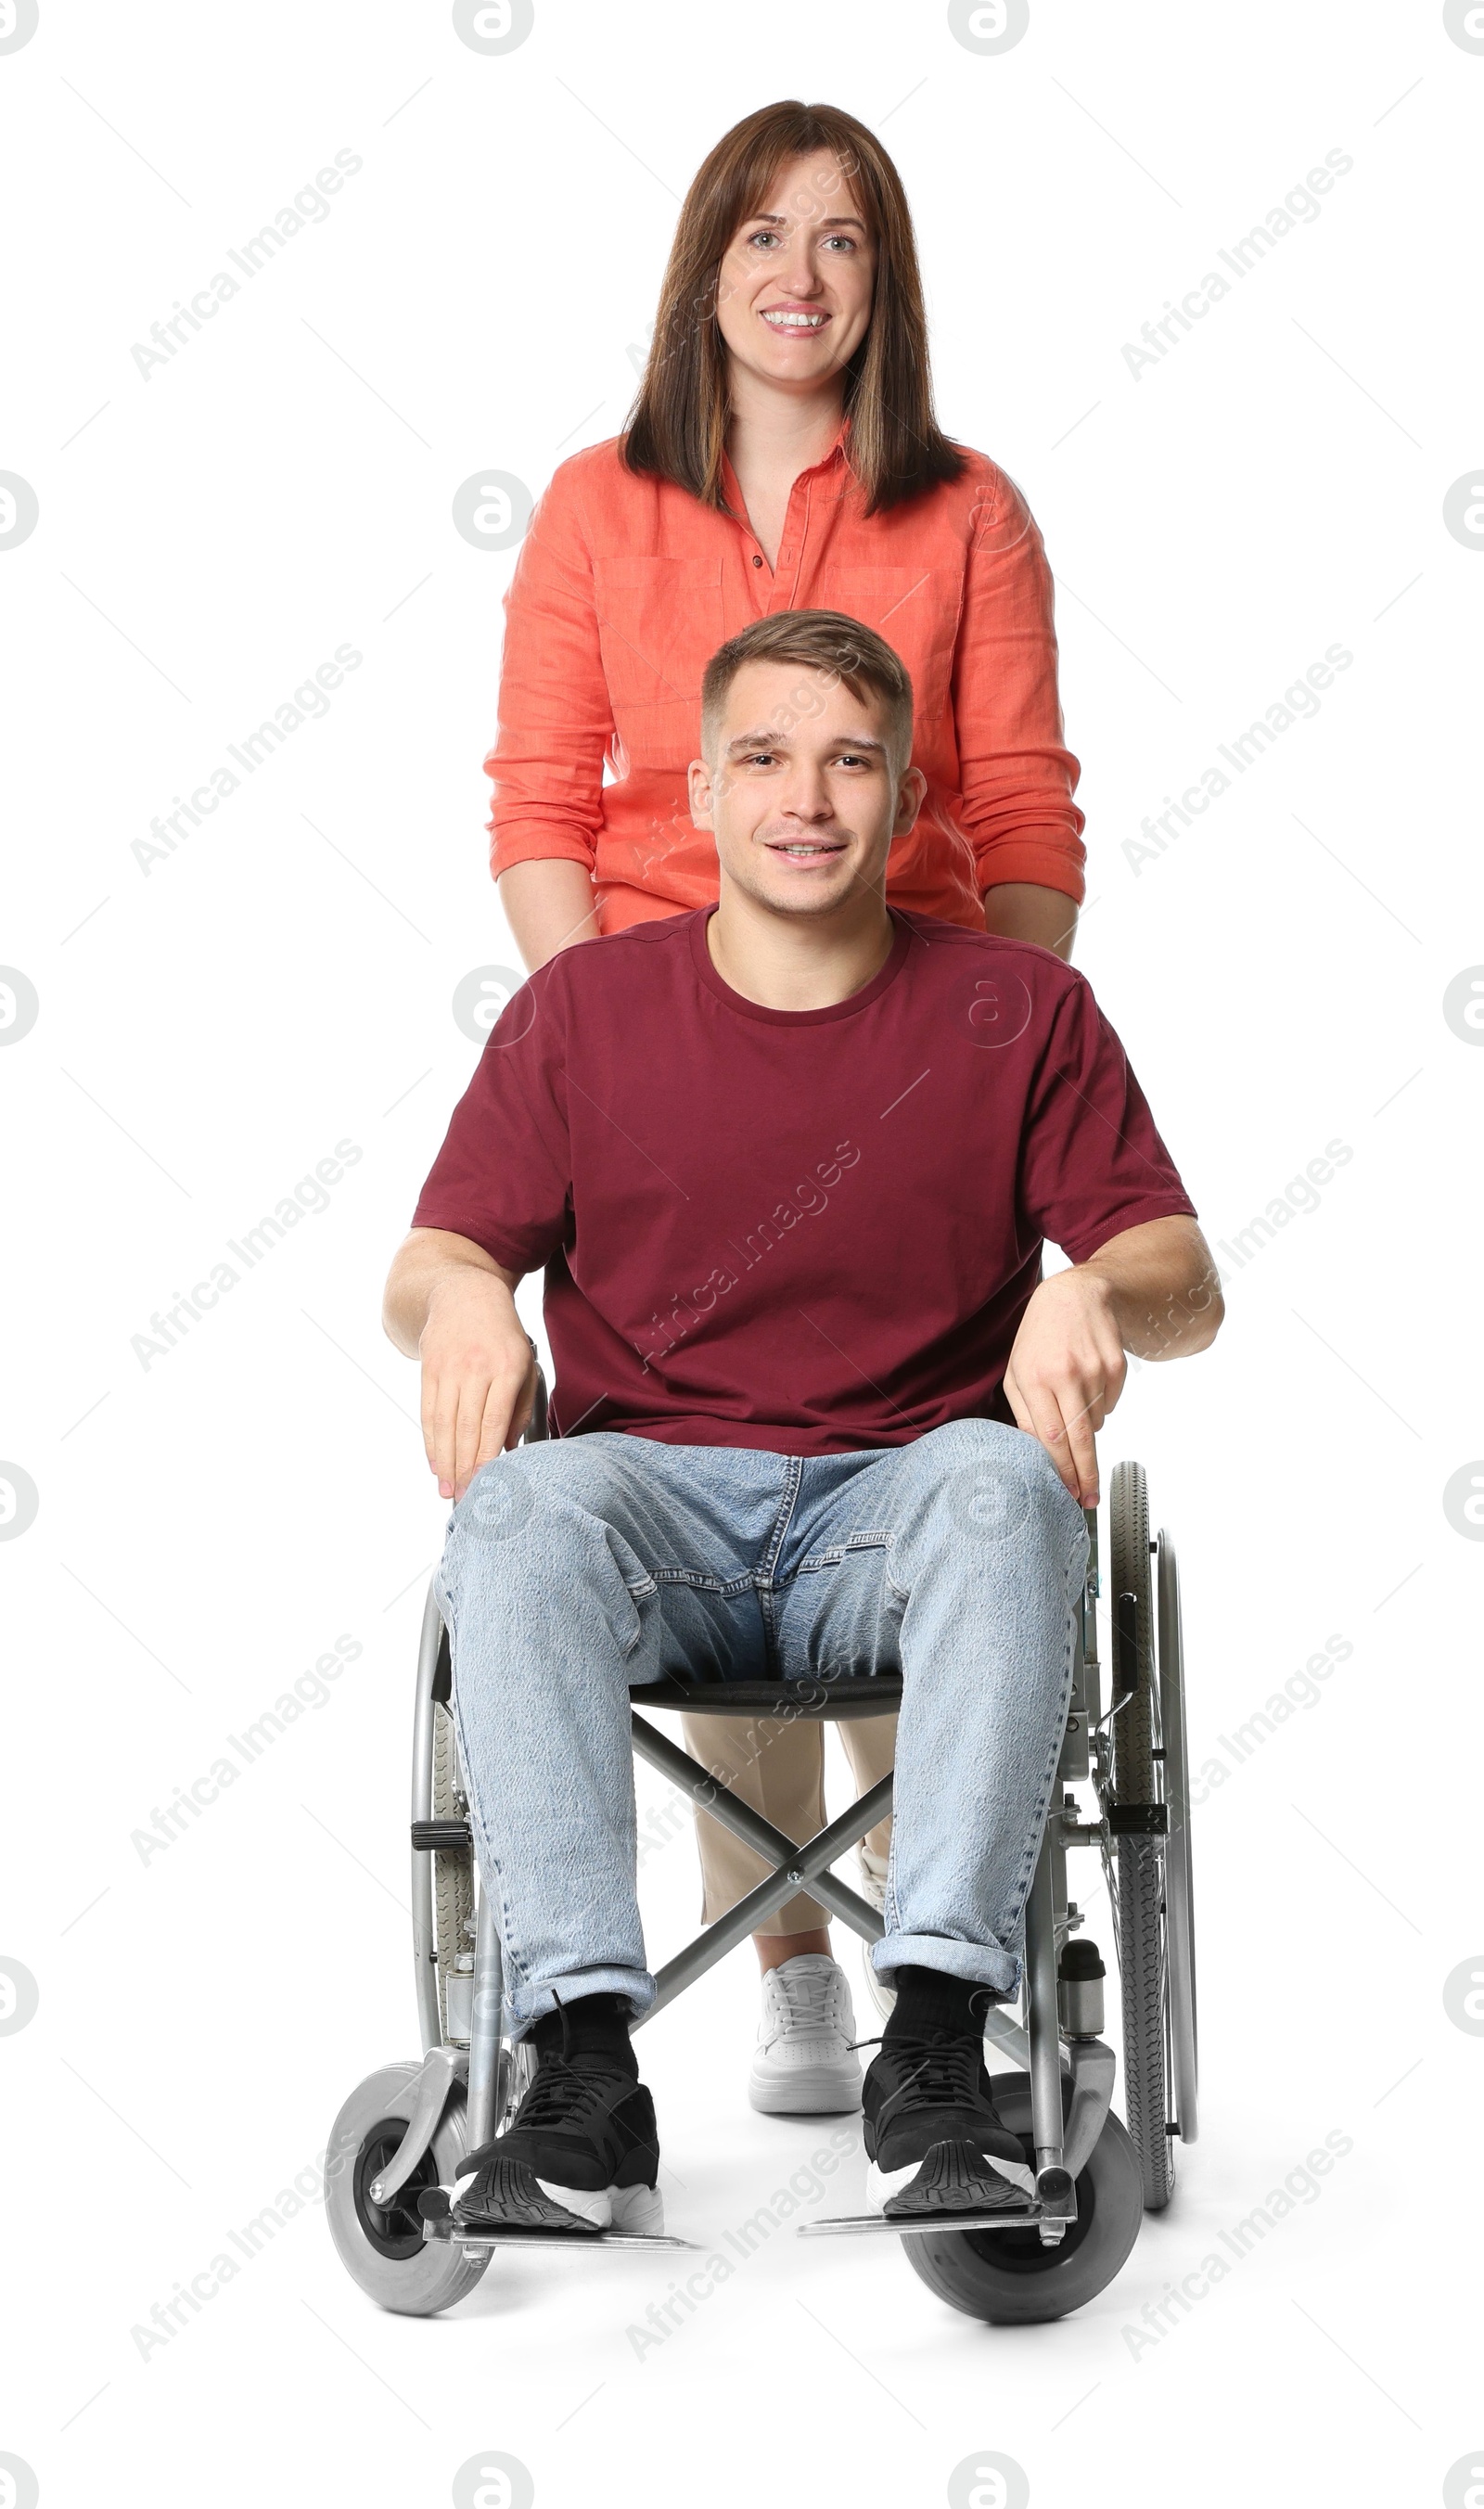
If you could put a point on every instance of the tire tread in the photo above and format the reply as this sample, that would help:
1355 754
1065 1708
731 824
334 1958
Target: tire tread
1141 1862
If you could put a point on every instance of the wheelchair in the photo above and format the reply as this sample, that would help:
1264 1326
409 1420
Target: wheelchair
405 2131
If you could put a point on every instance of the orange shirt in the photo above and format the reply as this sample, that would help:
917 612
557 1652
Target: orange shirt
625 587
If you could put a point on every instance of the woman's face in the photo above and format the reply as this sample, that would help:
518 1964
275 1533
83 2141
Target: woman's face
795 288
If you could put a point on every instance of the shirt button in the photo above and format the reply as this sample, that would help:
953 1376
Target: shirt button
756 561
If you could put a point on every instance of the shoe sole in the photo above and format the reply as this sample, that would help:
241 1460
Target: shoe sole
516 2199
807 2090
951 2178
634 2209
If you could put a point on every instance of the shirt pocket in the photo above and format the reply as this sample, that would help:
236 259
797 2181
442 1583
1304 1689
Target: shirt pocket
916 609
659 621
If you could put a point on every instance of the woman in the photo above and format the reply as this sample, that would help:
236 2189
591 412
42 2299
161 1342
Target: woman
782 454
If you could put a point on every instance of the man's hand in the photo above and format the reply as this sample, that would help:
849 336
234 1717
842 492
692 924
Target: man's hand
478 1375
1153 1289
449 1303
1066 1371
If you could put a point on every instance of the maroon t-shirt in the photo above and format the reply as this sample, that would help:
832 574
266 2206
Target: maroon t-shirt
807 1232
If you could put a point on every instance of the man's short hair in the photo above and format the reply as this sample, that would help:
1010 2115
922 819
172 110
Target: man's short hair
820 640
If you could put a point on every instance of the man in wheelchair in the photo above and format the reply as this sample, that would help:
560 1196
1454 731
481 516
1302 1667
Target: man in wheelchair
787 1164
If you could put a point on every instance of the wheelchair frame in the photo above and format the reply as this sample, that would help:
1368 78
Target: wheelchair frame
472 2076
1063 2142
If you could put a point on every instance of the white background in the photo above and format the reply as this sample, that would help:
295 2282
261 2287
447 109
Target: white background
208 1030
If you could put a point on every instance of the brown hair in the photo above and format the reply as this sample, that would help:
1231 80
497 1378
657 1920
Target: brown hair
677 427
820 640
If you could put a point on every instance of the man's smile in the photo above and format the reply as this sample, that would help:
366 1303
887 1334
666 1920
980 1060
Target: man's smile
805 850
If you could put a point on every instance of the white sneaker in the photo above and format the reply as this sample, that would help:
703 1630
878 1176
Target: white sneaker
873 1887
872 1876
805 2064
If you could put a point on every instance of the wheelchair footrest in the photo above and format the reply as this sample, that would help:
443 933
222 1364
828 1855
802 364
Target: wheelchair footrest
1005 2216
484 2242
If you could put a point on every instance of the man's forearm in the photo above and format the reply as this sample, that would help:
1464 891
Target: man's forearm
1164 1286
426 1257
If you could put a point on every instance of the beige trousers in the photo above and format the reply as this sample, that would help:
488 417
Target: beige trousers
777 1766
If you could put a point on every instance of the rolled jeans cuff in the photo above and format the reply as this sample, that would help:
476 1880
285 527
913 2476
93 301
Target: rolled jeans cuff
982 1963
528 2003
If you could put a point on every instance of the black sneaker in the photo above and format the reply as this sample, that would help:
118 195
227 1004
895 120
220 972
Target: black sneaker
933 2138
581 2154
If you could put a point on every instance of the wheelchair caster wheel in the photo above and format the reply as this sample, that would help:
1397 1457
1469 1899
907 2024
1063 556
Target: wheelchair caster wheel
382 2246
1009 2277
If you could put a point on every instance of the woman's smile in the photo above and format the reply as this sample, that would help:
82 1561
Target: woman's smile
799 318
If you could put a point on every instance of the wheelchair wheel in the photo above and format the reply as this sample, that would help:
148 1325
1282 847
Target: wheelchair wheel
1178 1880
1006 2277
1151 1864
453 1868
382 2246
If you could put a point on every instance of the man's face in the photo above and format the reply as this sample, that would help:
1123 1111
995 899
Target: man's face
802 792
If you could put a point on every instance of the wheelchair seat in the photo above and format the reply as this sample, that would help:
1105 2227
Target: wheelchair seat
869 1694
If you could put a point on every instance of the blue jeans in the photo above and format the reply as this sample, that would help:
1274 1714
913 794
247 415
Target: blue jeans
577 1569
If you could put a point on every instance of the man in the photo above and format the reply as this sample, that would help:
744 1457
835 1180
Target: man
789 1164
